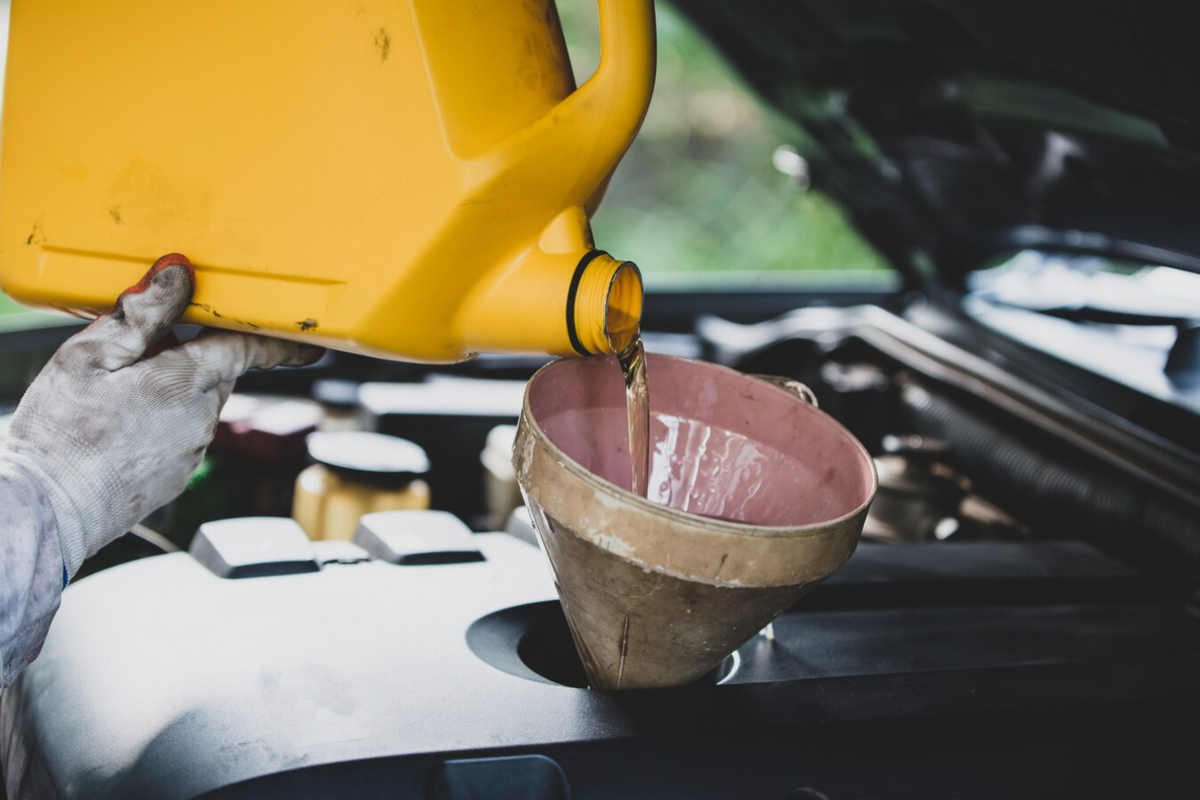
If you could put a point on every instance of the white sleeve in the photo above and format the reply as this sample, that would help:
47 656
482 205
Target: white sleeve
32 575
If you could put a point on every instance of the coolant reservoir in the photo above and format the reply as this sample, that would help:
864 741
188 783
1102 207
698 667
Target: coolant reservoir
357 473
401 178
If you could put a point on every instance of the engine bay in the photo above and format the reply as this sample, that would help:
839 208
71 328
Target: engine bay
1019 618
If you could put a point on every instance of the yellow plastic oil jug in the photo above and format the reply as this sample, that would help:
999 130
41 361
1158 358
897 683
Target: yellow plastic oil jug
401 178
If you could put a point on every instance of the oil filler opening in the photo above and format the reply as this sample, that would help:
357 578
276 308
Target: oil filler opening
623 307
534 642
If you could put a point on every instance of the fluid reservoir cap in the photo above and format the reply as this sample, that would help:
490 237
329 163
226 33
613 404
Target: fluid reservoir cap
417 538
336 393
253 547
369 457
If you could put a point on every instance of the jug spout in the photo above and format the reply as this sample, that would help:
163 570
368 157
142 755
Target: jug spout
581 302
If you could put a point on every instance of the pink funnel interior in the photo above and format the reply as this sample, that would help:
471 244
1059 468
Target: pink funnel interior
723 444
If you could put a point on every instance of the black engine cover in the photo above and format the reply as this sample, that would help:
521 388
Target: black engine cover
940 670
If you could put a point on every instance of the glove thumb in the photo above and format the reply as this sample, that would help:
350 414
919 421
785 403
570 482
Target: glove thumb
142 316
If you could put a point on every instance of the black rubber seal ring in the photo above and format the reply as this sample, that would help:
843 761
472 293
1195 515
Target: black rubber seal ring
572 334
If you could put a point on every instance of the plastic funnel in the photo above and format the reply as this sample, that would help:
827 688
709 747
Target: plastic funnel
755 497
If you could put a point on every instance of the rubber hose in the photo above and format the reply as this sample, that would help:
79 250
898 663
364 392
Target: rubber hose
1065 496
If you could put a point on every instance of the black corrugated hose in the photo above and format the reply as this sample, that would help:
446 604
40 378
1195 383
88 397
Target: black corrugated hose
1057 492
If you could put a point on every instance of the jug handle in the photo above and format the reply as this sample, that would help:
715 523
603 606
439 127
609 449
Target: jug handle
593 126
795 387
628 52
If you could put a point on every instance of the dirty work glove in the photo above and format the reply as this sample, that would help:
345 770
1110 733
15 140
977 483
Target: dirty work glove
115 424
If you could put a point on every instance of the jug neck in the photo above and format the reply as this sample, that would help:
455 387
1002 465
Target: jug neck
568 304
604 304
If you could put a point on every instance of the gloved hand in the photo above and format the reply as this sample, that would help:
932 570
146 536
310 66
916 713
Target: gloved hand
115 424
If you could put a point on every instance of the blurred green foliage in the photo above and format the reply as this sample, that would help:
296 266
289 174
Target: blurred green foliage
8 306
14 316
697 190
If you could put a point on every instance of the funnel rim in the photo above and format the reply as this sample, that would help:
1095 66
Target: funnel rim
821 527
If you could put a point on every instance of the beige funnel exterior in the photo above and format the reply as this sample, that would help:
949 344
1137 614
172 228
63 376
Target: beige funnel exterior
657 596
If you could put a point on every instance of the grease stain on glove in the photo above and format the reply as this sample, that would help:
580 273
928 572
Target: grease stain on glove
117 422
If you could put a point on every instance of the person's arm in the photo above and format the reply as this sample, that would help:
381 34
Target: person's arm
32 574
112 428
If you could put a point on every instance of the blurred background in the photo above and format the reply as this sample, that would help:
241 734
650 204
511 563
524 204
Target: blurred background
706 187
